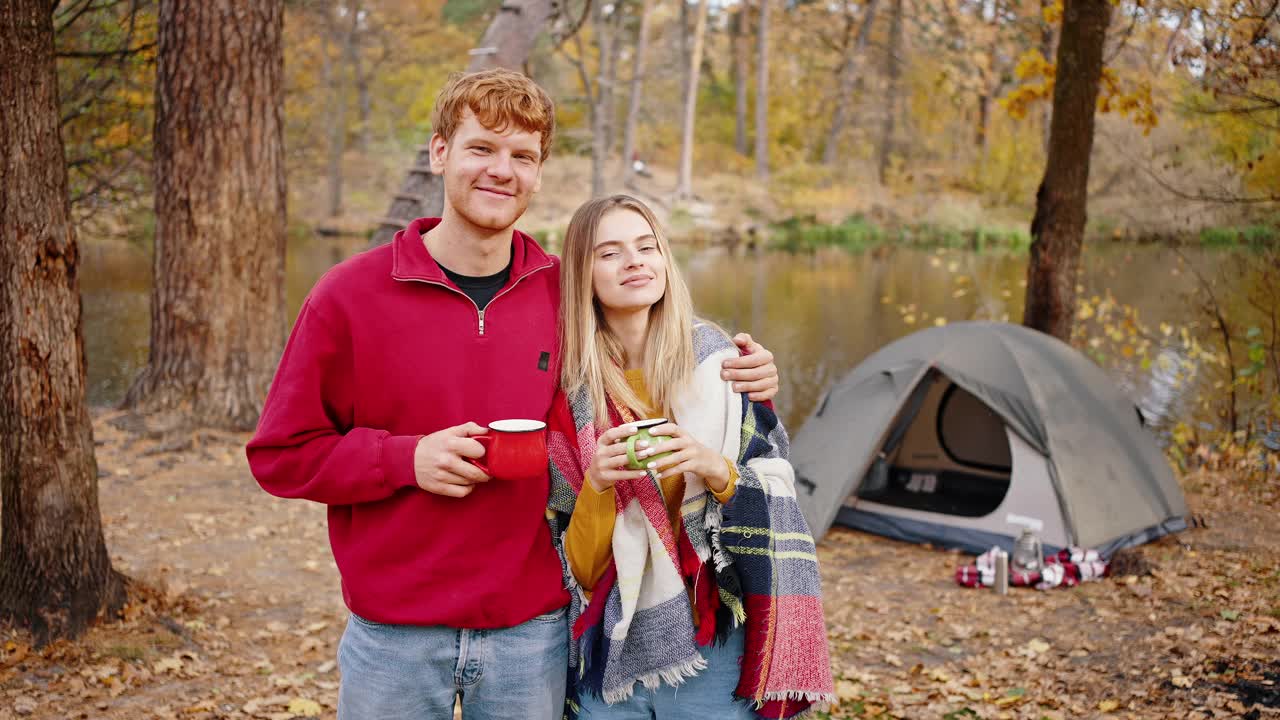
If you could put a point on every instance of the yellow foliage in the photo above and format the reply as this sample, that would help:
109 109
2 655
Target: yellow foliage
1130 98
1053 12
117 136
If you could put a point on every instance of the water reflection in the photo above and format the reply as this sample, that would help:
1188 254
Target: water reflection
824 313
820 313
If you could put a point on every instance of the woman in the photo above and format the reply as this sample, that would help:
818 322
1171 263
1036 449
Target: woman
697 572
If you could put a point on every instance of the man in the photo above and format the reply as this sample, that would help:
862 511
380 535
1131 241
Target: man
398 357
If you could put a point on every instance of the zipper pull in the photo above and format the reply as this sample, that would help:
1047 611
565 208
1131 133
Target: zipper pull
481 321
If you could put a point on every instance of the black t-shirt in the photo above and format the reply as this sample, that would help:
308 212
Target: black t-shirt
480 289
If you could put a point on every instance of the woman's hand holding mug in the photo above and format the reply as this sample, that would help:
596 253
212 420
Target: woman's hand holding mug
609 464
682 453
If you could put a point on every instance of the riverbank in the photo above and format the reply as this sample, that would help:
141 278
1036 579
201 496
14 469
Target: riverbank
236 612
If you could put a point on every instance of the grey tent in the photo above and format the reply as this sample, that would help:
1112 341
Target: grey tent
962 434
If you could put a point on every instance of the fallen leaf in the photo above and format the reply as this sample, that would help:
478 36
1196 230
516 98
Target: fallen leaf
304 707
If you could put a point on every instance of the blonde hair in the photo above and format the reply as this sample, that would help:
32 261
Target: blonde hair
499 98
591 354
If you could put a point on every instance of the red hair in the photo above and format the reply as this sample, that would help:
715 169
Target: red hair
499 98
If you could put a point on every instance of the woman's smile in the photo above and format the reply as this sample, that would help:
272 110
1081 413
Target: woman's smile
637 280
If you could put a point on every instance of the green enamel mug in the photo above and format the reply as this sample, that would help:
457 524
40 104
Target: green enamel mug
638 463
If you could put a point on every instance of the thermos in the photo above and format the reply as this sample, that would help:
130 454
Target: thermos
1002 572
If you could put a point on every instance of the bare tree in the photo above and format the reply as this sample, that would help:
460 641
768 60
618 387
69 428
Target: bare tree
217 302
684 182
885 151
1057 229
845 77
506 43
762 94
55 573
604 23
637 83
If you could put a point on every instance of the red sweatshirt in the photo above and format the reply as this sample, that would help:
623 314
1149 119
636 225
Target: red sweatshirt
385 350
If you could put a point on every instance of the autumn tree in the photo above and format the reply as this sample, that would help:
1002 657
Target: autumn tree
762 93
106 65
896 48
217 302
846 75
1057 229
342 25
738 28
55 573
684 178
637 85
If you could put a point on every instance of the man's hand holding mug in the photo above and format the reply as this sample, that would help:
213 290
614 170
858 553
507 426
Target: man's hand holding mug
440 461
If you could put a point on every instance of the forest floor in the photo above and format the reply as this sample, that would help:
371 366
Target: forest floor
236 612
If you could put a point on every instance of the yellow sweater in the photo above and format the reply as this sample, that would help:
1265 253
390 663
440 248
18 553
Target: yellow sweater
589 545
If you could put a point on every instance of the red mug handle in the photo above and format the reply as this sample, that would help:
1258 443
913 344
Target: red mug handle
484 441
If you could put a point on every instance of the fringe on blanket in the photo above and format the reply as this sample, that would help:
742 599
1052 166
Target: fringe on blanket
816 698
672 675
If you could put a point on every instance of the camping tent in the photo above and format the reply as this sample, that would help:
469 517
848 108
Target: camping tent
962 434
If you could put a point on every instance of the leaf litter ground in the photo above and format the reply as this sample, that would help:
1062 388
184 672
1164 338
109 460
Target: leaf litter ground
236 612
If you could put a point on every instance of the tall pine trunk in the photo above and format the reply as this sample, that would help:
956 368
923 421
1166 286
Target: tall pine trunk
885 150
507 43
637 87
762 94
845 78
1057 230
55 573
217 303
684 182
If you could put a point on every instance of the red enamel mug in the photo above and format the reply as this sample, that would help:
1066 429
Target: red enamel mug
513 450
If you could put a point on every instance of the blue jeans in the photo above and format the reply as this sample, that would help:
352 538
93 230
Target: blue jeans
406 672
709 694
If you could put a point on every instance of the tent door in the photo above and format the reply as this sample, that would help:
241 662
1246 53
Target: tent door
947 453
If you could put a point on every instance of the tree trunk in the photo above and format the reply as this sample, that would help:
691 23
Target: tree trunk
844 85
633 104
55 573
600 115
217 303
762 95
1047 36
984 119
891 93
1057 230
336 81
684 46
741 71
684 184
356 60
611 76
507 43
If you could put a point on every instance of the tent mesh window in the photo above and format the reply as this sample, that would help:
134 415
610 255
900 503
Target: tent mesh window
954 458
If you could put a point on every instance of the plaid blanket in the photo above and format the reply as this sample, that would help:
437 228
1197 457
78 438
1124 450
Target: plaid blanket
750 563
1066 568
